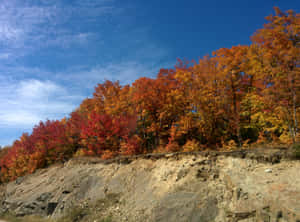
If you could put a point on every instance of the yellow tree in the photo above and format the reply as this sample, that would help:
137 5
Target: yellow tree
280 41
201 90
112 98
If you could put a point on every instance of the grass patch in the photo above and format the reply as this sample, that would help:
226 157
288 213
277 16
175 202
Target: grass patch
76 214
13 218
107 219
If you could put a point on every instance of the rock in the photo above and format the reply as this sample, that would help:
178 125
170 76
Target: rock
268 170
19 180
26 209
181 174
44 197
51 207
239 216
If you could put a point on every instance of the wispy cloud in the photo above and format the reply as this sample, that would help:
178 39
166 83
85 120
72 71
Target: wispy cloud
19 20
66 40
26 26
124 72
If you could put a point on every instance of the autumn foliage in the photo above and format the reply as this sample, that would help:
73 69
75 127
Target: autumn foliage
107 135
237 97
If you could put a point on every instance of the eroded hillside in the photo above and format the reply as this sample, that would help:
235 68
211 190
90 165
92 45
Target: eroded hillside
237 186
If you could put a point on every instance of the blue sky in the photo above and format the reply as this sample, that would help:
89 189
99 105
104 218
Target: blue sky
53 53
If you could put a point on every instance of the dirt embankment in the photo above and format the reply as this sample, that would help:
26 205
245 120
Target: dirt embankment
248 185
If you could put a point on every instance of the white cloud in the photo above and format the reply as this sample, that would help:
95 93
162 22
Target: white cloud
24 103
19 117
35 89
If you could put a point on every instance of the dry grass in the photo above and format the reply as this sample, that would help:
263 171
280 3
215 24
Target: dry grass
13 218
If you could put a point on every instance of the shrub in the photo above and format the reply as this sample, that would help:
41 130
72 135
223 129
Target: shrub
191 145
231 144
296 150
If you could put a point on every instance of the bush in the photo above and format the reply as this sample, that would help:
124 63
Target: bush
296 150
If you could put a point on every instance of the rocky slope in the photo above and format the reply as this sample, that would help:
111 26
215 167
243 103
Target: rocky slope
209 186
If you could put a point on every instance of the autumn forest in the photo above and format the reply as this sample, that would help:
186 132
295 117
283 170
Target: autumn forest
235 98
